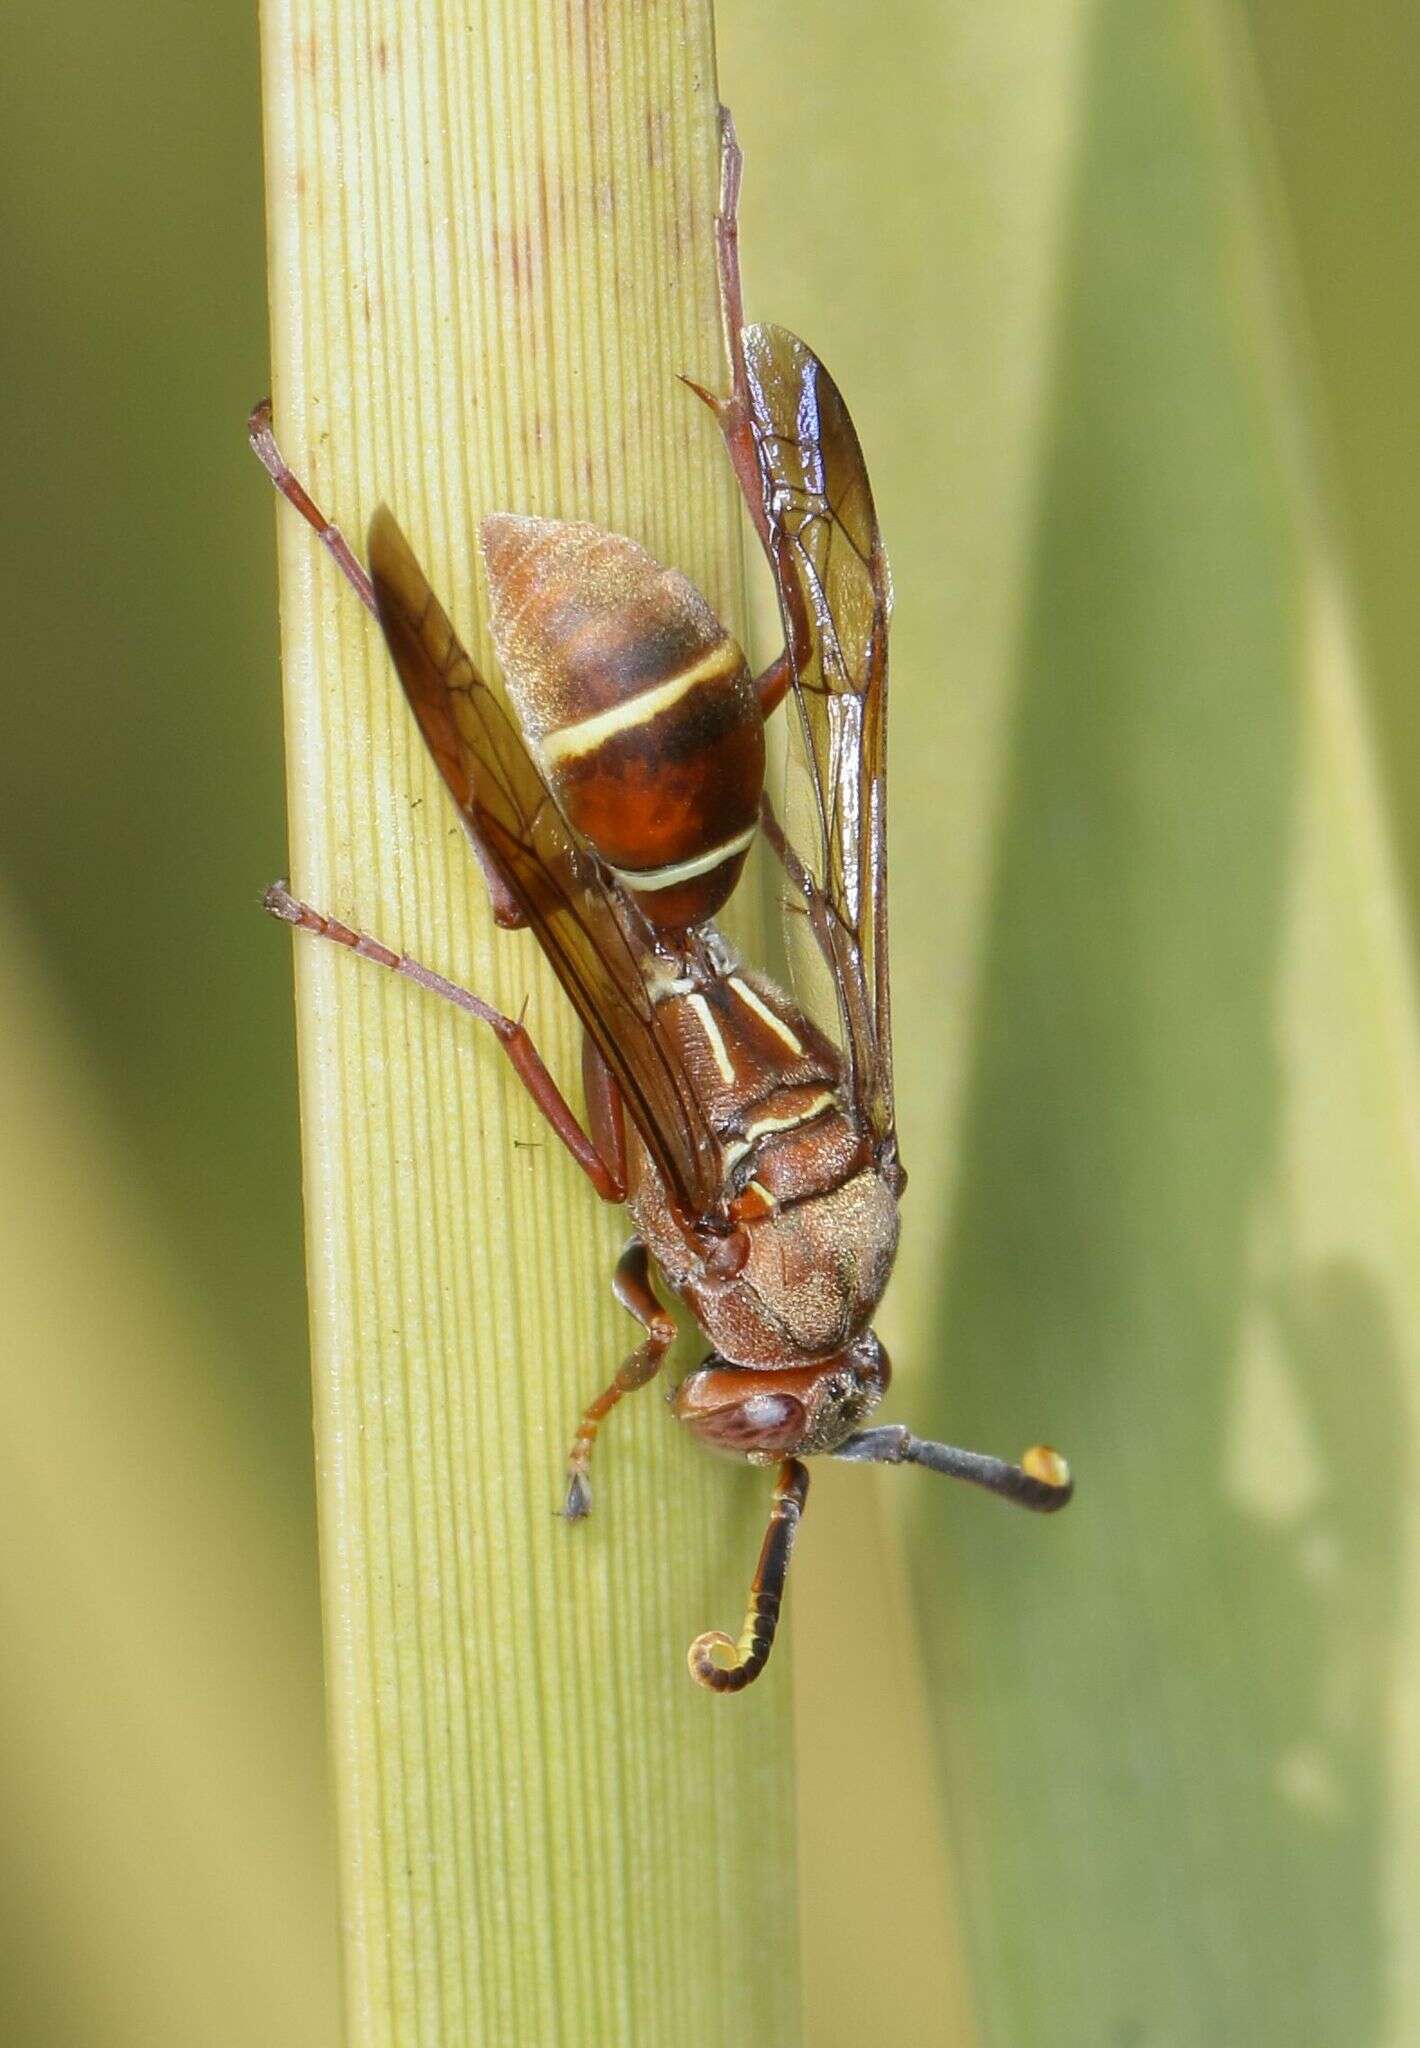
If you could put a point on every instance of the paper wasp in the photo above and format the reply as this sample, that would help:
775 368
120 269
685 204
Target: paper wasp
756 1152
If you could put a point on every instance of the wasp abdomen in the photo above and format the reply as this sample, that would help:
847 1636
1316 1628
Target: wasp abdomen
639 703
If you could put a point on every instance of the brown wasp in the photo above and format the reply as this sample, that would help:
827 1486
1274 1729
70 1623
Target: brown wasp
756 1153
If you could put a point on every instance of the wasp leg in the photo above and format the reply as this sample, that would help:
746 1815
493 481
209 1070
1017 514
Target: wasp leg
815 903
772 685
512 1036
732 414
727 248
1041 1481
263 444
506 911
604 1112
725 1666
631 1283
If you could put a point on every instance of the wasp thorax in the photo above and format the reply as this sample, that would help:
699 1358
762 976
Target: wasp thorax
639 704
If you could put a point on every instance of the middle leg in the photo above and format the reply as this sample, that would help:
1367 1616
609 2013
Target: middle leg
606 1176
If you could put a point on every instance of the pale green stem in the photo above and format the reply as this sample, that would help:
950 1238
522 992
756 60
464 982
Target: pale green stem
491 251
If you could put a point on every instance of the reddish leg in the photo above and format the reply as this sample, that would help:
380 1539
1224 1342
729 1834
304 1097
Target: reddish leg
772 686
506 912
513 1038
727 248
828 934
815 903
732 414
604 1112
631 1283
725 1666
263 441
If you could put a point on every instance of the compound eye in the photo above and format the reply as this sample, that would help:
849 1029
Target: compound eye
765 1421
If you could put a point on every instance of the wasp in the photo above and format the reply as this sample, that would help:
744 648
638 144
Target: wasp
755 1150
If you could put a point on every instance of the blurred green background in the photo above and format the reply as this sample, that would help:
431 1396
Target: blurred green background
1124 302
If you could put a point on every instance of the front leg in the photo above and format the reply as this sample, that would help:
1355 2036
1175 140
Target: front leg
631 1284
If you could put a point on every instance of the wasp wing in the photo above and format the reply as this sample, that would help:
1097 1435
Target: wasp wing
582 927
816 518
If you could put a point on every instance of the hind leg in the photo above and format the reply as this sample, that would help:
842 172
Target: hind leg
507 914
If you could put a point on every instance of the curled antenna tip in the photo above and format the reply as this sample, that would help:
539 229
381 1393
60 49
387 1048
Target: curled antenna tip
1048 1468
715 1662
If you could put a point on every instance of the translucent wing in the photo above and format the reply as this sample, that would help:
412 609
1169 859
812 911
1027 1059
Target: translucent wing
582 927
816 518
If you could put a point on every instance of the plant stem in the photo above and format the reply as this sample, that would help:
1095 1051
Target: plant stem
491 251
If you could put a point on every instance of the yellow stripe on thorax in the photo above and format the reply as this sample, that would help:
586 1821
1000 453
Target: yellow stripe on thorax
713 1035
764 1126
776 1024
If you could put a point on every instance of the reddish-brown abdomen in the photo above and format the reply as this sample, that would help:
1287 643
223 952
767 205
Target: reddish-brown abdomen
639 703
